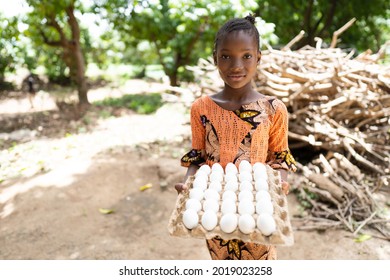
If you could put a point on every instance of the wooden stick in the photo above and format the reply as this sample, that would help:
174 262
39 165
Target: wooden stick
336 194
347 143
276 78
294 40
318 42
339 31
364 222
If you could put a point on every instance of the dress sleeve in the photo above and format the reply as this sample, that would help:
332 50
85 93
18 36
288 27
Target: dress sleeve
195 156
192 157
279 155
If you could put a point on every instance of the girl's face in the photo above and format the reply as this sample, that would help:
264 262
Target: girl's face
236 57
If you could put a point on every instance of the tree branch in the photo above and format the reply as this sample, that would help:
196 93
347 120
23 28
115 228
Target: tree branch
315 27
72 21
308 15
329 18
53 23
48 42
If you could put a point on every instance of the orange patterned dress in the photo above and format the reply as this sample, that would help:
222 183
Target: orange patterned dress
257 132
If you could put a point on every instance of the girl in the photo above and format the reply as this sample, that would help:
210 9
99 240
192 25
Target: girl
238 123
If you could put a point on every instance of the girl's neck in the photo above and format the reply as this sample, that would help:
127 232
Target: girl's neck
238 95
232 99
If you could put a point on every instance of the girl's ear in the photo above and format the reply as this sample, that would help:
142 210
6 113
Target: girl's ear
258 57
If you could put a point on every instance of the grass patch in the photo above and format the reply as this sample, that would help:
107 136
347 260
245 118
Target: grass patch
140 103
305 198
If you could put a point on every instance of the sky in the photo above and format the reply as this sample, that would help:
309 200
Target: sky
13 7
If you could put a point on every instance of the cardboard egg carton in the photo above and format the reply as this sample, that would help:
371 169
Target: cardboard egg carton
282 236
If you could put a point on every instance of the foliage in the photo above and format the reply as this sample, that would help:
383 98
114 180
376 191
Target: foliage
175 33
141 103
107 49
8 45
179 32
323 18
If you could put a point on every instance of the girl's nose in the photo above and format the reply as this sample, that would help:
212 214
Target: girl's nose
236 64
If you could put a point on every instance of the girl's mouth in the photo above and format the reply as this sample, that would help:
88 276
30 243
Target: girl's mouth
236 77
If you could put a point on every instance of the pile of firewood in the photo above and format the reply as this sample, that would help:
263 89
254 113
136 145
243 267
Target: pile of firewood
339 109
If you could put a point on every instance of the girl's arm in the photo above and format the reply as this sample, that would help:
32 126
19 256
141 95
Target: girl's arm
198 144
191 170
280 157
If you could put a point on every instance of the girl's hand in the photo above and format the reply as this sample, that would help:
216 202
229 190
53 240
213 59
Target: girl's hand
285 187
180 187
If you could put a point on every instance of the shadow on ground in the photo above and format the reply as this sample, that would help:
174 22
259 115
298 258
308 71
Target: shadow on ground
48 221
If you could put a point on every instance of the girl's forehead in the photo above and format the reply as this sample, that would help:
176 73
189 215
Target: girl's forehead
238 37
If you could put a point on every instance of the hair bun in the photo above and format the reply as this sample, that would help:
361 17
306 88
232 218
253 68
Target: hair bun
251 18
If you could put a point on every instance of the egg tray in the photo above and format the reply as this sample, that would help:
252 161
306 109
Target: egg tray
283 235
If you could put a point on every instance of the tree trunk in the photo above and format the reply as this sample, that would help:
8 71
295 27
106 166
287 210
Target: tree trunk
173 79
80 78
78 58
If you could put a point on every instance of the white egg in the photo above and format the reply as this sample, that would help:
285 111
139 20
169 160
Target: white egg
243 195
231 186
244 166
259 166
245 176
264 206
193 204
196 193
260 174
217 167
201 173
211 194
246 186
246 207
246 223
205 168
200 183
229 195
231 168
230 177
266 224
262 194
228 206
216 176
211 205
190 218
228 222
261 184
209 220
215 185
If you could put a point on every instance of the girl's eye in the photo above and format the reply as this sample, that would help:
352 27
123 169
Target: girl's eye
225 56
247 56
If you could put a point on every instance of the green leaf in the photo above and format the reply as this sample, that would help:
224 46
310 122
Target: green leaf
362 238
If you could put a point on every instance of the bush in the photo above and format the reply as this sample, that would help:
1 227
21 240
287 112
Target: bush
140 103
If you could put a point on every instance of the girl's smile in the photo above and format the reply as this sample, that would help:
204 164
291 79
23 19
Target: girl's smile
236 77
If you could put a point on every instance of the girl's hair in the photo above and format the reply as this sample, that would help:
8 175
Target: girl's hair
247 24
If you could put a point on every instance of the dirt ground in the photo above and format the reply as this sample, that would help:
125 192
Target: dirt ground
51 206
